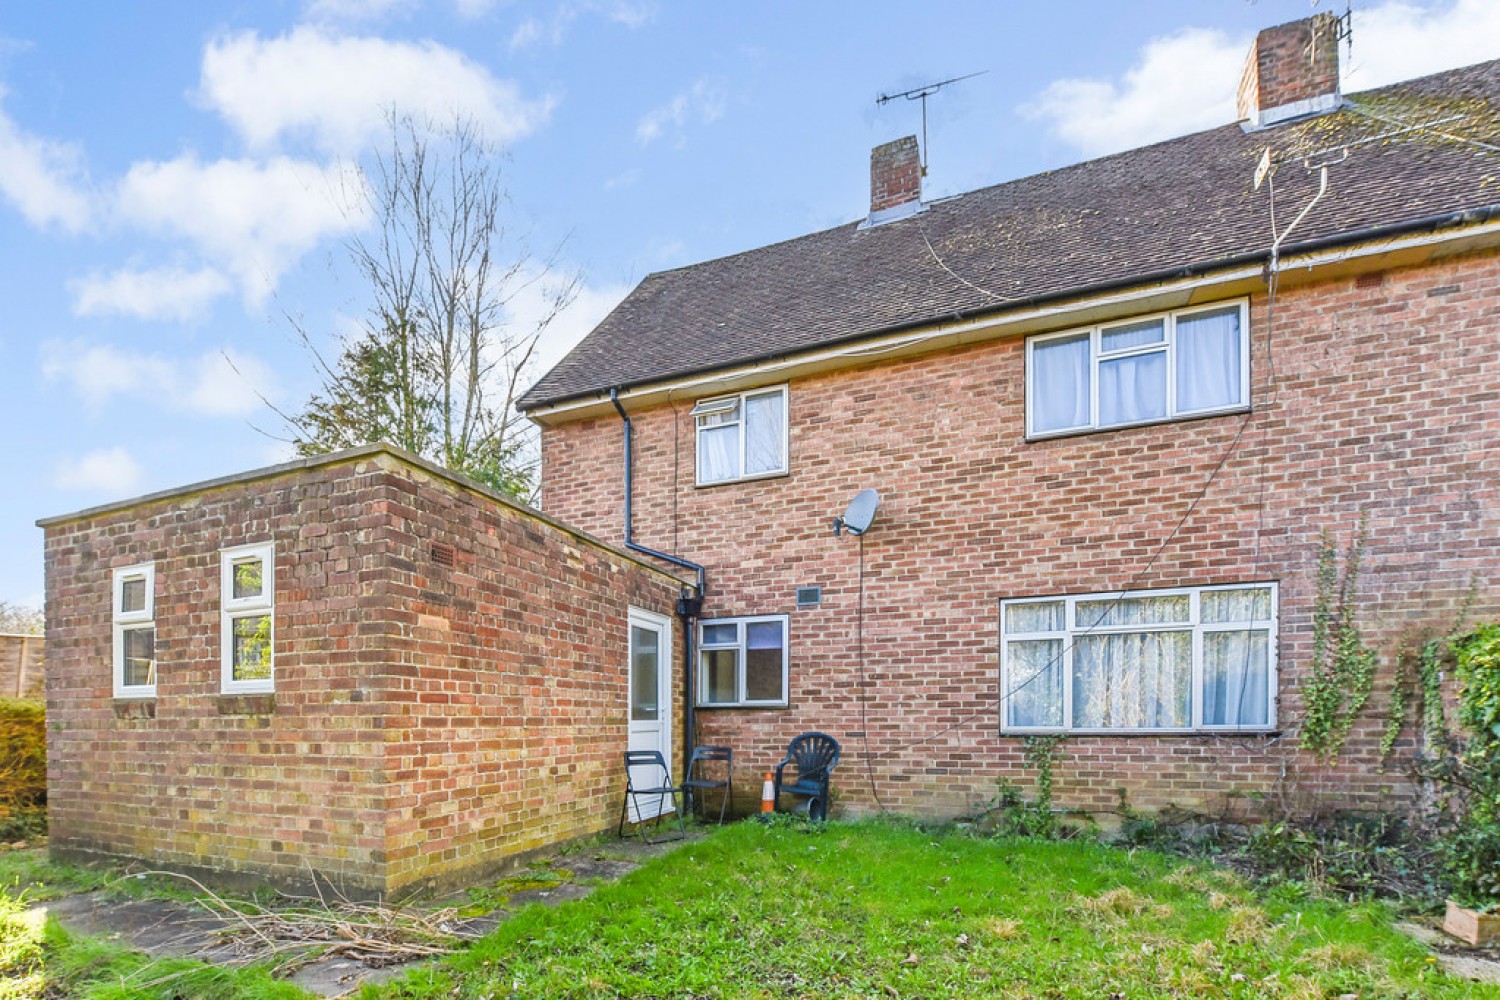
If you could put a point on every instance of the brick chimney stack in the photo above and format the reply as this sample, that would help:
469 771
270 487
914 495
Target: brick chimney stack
895 180
1292 72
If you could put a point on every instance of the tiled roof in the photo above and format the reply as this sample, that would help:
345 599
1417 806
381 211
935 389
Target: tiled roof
1184 204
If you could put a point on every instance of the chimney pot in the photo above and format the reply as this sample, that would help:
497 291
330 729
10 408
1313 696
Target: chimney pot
1292 72
895 179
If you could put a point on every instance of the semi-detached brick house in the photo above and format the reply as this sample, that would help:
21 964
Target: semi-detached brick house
1146 374
1109 411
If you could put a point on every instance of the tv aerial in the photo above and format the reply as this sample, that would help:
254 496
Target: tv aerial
921 94
860 515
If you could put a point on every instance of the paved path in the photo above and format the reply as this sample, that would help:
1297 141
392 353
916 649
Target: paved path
168 928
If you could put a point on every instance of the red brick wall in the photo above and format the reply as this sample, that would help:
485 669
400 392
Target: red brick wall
1385 400
505 709
423 723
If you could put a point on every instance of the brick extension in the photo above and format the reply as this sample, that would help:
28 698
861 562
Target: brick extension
429 723
1385 399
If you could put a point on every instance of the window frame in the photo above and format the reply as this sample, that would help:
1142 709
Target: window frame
742 623
1168 346
122 621
232 608
740 398
1071 632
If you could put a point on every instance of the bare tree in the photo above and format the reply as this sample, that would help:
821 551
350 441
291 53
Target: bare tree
439 362
18 619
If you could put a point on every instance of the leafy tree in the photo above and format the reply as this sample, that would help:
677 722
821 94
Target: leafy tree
438 363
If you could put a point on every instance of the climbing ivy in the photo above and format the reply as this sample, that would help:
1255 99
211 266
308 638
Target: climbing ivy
1041 752
1419 679
1342 670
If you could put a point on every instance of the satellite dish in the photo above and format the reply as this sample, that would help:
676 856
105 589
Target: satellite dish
860 515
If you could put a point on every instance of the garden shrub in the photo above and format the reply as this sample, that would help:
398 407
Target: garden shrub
1471 850
23 757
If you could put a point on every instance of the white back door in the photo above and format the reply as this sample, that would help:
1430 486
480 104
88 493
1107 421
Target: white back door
650 707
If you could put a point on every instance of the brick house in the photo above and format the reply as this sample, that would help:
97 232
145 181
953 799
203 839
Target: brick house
1109 411
358 665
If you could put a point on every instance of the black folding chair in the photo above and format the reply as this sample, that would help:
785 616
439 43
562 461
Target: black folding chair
815 755
700 780
660 786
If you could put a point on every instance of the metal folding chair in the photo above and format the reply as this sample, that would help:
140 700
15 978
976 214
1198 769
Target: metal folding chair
700 781
660 786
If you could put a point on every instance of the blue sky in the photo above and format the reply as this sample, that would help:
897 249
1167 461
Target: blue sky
174 178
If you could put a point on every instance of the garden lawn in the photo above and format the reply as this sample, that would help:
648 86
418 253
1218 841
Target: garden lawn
876 909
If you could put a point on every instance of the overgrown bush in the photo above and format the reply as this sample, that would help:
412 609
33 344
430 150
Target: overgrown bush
1471 849
23 757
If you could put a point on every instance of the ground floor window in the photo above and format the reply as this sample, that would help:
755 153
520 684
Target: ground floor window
743 661
1194 658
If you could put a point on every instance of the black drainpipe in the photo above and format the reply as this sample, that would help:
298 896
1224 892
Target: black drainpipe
688 604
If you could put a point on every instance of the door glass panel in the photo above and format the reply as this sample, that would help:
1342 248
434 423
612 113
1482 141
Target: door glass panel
645 664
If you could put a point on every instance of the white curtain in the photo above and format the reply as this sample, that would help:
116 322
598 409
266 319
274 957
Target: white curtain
1235 686
1133 388
1208 360
718 453
1060 393
1135 680
765 423
1034 682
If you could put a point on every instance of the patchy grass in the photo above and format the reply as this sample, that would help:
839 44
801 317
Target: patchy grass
28 874
41 961
876 909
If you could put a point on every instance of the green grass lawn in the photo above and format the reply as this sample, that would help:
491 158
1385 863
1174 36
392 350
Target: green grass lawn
878 910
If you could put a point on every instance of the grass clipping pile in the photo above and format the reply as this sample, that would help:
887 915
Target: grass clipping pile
290 934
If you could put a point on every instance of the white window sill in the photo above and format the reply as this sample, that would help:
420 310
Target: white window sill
1179 419
1271 730
759 477
744 704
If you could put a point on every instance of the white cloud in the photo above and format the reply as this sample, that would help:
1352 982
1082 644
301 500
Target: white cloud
1179 84
702 102
336 91
630 13
530 306
1399 41
1187 80
164 293
252 219
216 384
42 178
109 470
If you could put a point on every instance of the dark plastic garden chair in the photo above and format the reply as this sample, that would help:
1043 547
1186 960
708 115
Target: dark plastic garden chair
815 755
700 778
658 785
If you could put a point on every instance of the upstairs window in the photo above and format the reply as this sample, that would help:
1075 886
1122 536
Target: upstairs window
1196 659
1176 365
247 600
134 614
743 661
743 436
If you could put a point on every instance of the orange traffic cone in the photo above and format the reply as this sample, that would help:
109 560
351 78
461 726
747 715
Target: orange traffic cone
768 795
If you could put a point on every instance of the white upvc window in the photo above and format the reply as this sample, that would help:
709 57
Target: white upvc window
1194 659
743 436
134 615
1169 366
247 593
743 661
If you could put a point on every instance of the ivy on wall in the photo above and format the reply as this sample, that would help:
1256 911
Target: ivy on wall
1342 669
